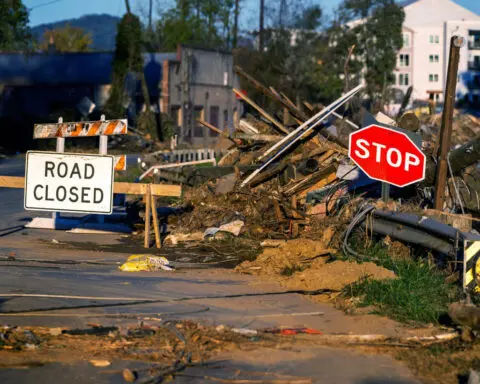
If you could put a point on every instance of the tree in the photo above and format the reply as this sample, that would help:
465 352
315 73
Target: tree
14 31
288 61
377 35
67 39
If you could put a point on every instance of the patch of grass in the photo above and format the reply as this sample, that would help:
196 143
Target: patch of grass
418 294
289 271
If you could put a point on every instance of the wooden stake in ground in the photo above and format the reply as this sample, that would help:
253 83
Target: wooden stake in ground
155 221
148 202
456 42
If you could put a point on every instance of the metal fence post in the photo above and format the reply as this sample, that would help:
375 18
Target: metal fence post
103 149
60 149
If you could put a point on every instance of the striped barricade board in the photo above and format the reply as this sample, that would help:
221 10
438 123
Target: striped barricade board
80 129
471 264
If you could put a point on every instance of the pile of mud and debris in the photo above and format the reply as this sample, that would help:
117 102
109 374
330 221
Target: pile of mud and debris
289 181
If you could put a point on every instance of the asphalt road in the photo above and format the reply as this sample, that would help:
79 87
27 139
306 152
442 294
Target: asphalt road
75 266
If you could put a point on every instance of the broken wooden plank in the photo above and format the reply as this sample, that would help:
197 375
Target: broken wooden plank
268 92
216 130
255 137
118 187
262 112
307 181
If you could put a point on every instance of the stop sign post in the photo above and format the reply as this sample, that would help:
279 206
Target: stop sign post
387 155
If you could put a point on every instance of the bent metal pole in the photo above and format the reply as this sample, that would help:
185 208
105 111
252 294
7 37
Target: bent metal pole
319 115
302 131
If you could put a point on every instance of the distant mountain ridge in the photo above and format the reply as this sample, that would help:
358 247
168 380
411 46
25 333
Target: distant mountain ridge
103 29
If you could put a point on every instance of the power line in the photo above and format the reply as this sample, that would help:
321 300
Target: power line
44 4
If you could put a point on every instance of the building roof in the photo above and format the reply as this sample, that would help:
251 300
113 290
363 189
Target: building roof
90 68
438 12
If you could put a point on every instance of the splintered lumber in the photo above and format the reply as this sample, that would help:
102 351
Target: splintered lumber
246 127
121 188
255 137
318 185
215 129
156 226
305 182
273 95
148 202
262 112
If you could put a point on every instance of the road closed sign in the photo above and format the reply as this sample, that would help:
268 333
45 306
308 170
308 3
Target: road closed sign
67 182
387 155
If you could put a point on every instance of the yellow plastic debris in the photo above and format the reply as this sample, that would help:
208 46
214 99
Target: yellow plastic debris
146 263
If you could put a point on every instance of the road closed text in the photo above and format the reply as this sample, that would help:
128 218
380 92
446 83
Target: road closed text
69 182
73 194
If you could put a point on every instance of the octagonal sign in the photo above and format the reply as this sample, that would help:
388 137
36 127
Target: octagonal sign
387 155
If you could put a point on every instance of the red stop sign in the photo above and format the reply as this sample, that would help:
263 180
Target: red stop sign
387 155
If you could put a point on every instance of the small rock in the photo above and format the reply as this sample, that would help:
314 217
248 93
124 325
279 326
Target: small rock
220 328
30 347
474 377
100 363
55 241
129 375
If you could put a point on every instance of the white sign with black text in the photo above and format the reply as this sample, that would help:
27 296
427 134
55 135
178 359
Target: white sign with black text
69 182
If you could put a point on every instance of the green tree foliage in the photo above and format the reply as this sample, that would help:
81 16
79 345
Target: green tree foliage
289 61
376 31
128 58
203 23
14 31
67 39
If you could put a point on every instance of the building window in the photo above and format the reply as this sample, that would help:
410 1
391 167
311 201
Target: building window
225 120
434 58
406 40
198 114
437 39
404 60
403 79
433 78
394 79
434 39
214 116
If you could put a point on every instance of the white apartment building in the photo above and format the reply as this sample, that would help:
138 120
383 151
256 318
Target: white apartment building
423 60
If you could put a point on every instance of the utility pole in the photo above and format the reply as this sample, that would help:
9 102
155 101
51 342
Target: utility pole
456 42
127 5
150 10
236 12
262 17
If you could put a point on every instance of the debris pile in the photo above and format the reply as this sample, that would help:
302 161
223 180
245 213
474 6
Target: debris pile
287 179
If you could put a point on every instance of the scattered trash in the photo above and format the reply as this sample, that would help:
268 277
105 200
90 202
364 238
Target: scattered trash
55 241
129 376
55 331
245 331
146 263
100 363
293 331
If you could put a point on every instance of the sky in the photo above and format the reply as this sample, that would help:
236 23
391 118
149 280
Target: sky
46 11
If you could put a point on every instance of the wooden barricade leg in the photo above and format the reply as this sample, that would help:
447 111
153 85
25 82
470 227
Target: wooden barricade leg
147 217
155 221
